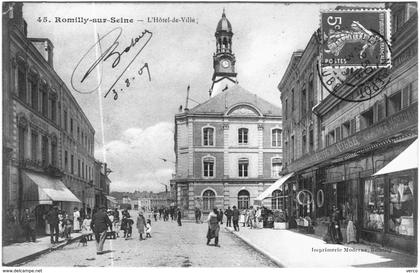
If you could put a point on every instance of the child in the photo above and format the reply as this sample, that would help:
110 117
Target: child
148 228
68 225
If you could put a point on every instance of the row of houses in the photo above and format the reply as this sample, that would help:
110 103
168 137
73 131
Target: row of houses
48 142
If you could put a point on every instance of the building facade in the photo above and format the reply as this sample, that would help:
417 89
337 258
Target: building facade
229 148
351 141
48 143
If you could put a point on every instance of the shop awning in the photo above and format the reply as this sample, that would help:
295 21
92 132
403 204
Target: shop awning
45 189
404 161
276 185
111 199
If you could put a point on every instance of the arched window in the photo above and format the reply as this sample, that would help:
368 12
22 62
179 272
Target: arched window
276 138
208 136
208 200
243 136
243 199
276 166
208 166
276 200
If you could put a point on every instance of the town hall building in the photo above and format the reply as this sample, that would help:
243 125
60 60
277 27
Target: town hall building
229 148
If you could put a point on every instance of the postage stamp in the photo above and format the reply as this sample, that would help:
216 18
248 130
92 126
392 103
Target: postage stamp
356 38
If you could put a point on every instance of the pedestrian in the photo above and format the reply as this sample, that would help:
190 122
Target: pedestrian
155 212
245 218
68 225
148 228
12 224
76 220
178 217
116 222
141 225
52 218
235 216
126 213
86 230
251 217
99 225
220 216
213 227
228 214
28 225
335 230
196 214
61 223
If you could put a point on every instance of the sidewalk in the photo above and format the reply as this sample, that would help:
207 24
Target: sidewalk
17 253
292 249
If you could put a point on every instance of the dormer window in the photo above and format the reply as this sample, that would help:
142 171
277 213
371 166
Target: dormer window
208 136
243 136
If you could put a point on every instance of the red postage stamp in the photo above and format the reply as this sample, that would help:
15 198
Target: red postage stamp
356 38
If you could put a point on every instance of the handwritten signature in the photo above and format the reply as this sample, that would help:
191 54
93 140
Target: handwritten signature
110 54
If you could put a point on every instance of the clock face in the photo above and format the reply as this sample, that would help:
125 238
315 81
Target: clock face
225 63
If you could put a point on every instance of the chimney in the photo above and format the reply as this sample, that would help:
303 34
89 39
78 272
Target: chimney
15 14
45 47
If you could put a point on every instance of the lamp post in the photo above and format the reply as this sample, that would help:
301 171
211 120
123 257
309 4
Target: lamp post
170 192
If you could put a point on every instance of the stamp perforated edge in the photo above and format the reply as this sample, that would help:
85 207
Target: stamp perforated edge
388 27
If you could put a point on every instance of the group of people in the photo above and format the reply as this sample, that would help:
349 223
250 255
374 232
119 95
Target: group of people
247 217
108 221
58 223
165 212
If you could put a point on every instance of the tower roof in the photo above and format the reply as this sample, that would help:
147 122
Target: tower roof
224 24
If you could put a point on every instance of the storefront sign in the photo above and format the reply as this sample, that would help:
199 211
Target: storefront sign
386 128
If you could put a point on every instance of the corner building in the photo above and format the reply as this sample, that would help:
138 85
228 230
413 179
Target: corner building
228 149
352 159
48 142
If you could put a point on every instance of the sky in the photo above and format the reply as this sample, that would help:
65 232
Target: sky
133 132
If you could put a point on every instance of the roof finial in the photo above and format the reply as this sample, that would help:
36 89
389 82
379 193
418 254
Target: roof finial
224 15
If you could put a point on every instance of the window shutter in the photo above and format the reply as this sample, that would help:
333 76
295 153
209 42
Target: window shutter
337 134
353 126
405 96
381 110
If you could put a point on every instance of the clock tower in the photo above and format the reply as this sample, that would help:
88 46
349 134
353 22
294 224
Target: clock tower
224 75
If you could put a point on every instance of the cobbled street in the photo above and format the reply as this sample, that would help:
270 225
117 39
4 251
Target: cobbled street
170 246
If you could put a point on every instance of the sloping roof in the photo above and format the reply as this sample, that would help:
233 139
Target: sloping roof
235 95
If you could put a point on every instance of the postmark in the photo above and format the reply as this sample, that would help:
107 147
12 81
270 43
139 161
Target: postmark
356 38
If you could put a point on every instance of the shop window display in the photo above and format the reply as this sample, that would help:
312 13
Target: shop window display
401 207
374 204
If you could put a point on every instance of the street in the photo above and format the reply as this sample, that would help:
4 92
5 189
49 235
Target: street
170 246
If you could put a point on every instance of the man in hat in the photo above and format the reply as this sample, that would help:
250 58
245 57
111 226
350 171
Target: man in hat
99 225
52 218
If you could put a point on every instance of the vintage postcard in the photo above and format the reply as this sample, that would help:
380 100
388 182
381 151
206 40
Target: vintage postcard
209 134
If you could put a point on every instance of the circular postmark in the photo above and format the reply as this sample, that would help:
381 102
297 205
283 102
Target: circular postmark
356 83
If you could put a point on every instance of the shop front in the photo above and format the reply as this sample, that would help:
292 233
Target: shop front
40 192
390 203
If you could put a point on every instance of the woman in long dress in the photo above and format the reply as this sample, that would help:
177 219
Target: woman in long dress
141 225
86 230
76 219
214 228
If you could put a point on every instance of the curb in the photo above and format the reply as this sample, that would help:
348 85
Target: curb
39 253
261 251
